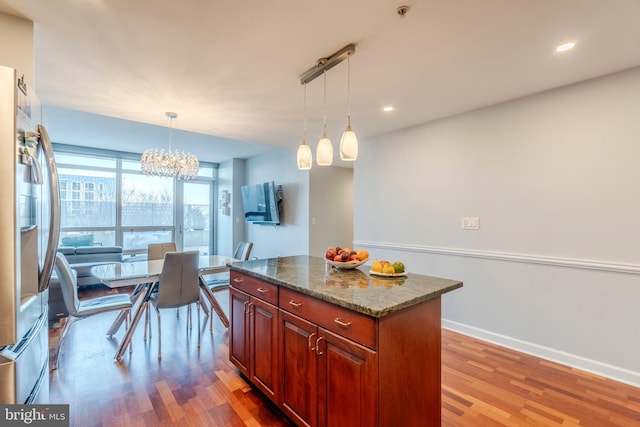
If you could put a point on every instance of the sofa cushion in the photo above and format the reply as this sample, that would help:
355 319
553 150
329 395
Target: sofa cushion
67 250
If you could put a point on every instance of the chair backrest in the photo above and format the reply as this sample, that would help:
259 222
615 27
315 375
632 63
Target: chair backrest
157 250
247 250
68 284
243 251
178 283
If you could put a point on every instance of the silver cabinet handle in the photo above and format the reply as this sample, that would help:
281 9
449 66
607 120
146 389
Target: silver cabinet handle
238 279
311 347
341 323
262 290
318 352
295 304
246 306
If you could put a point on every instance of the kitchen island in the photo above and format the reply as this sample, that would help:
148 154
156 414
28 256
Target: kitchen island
339 347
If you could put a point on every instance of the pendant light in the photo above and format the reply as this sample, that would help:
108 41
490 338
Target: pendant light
176 164
349 141
304 151
324 151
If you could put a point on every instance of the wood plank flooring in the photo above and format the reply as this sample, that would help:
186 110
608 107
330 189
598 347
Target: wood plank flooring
482 384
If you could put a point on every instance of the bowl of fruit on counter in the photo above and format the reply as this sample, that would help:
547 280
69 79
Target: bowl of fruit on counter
384 268
345 258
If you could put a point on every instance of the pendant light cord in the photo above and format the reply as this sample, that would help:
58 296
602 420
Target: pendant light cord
349 89
324 131
305 114
170 126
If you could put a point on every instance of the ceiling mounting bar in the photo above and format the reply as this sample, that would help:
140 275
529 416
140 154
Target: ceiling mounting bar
327 63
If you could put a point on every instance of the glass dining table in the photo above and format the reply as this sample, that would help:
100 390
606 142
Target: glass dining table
143 274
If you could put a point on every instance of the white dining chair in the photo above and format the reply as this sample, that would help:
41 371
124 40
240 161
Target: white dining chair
80 309
178 286
221 281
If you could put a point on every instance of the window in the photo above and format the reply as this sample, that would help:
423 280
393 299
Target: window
89 191
75 190
106 200
82 209
146 200
63 189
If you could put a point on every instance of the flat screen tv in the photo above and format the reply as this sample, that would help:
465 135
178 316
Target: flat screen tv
261 203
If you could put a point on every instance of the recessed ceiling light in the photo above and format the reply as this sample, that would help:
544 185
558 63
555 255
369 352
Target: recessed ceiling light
387 109
565 46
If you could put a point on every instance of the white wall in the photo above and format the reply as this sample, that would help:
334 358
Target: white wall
224 226
230 229
330 208
554 179
292 236
16 49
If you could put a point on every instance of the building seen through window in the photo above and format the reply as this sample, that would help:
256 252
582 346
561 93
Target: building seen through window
104 203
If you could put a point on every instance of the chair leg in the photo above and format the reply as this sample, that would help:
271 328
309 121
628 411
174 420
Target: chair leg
198 309
147 324
128 325
159 336
65 328
189 321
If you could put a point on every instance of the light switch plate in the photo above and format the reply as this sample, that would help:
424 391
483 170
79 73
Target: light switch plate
470 223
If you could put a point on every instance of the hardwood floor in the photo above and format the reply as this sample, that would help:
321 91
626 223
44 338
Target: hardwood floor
482 384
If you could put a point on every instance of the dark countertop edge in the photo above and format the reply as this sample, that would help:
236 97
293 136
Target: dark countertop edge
355 307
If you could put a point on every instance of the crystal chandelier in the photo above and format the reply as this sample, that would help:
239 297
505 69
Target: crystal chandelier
175 164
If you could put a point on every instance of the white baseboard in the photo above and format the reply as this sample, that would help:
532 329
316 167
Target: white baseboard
593 366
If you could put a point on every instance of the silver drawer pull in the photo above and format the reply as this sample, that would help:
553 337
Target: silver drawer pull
295 304
318 351
262 290
341 323
311 348
238 279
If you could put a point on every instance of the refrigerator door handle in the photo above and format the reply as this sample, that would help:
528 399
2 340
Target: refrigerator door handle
54 224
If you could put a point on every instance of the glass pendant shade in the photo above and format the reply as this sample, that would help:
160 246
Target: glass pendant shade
324 152
349 141
304 156
349 145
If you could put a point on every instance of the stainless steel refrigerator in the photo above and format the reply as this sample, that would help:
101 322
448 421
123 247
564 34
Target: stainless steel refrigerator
29 232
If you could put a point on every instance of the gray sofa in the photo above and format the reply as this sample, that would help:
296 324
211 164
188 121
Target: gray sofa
81 259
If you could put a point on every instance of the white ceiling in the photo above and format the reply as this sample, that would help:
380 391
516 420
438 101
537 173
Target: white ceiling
230 68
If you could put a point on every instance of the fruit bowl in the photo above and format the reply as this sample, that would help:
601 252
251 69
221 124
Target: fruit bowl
348 265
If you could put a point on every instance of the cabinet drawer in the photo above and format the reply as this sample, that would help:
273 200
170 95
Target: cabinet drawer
349 324
265 291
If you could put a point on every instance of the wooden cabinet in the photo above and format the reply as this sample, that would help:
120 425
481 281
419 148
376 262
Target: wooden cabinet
253 342
299 360
335 366
328 380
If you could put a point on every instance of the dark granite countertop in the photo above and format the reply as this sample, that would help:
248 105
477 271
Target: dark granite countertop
354 289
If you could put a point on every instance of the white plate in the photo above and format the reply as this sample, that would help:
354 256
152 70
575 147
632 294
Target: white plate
376 273
349 265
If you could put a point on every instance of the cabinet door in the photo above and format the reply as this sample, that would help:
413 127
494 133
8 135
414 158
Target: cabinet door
347 382
264 347
298 358
239 337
